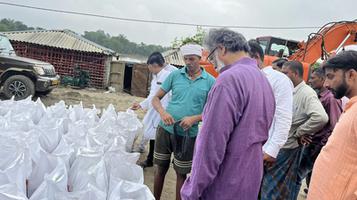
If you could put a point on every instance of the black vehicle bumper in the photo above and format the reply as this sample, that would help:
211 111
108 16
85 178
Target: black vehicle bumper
47 83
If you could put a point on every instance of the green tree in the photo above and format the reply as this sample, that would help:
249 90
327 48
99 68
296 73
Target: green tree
12 25
119 43
195 39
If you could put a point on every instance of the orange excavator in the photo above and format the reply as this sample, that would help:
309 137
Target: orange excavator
331 38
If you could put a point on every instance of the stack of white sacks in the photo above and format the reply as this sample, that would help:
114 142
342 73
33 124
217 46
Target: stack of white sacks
68 153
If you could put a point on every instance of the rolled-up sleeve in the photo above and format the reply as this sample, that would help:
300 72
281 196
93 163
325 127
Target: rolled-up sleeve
146 103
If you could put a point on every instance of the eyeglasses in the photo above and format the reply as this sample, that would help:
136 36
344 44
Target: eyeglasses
209 57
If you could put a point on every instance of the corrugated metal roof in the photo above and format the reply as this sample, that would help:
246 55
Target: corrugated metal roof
174 57
64 39
126 58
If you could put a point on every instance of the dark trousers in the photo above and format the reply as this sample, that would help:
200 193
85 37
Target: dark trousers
310 153
150 157
308 179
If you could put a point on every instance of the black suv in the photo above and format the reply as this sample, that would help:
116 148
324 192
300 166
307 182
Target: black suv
21 77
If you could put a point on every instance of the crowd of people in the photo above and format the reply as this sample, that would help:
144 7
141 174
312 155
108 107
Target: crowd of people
264 129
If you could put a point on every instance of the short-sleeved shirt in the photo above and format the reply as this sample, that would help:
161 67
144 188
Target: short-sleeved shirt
188 97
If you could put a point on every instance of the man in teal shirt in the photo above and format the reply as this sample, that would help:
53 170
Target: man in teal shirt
190 87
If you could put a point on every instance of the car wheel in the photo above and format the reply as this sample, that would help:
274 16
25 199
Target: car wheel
19 86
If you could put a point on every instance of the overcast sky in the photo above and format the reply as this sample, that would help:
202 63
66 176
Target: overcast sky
217 12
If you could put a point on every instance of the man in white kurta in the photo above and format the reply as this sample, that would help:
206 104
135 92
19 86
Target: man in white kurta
160 71
283 94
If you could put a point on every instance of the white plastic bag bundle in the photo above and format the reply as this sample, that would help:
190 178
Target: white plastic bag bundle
118 149
77 133
55 187
121 189
27 110
32 111
46 155
91 116
103 134
6 106
100 134
130 127
43 164
76 112
38 111
92 193
58 124
125 171
109 113
14 163
11 192
19 121
55 182
3 123
76 137
50 138
122 165
88 169
42 144
22 105
58 111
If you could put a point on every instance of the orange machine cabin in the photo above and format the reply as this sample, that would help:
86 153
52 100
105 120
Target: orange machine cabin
207 65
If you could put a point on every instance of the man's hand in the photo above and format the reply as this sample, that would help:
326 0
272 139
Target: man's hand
305 139
187 122
167 118
135 106
268 160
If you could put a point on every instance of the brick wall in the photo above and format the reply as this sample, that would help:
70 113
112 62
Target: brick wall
65 60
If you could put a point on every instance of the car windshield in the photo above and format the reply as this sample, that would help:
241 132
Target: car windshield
6 47
279 50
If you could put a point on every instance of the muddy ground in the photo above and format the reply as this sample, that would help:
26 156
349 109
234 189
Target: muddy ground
121 101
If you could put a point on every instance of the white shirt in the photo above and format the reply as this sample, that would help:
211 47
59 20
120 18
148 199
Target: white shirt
170 68
283 93
152 118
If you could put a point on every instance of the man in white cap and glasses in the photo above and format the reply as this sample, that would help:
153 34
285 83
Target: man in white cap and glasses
178 128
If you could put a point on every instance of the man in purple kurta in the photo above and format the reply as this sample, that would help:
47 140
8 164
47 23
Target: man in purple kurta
228 158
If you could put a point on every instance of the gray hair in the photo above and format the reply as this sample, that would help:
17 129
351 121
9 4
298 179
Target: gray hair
229 39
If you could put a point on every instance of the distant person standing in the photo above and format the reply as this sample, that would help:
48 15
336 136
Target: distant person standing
160 71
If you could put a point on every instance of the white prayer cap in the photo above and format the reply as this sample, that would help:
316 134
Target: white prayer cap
191 49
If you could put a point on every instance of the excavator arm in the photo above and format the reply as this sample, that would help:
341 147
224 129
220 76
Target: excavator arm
331 37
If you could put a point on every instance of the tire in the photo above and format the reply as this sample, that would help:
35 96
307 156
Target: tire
19 86
44 93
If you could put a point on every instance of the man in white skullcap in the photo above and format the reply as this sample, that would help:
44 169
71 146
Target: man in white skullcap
177 131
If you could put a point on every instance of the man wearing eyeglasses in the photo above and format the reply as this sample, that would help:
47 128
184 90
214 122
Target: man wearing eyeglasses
228 159
189 86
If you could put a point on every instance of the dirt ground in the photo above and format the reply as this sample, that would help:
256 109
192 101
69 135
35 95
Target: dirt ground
121 101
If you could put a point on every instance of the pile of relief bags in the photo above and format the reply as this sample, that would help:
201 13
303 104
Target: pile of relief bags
68 153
